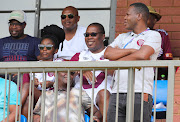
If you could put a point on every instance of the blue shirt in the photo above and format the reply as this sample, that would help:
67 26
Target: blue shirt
19 49
13 96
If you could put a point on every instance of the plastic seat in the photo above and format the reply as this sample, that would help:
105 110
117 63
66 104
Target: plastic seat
23 118
161 97
86 118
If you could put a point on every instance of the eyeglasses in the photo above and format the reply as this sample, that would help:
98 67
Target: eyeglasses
70 16
15 24
93 34
48 47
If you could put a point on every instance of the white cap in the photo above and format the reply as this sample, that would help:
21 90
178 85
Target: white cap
18 15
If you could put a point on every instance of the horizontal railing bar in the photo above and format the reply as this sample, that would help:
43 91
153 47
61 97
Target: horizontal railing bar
98 64
38 70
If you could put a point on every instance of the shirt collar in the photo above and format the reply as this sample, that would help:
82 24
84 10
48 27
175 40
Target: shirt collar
142 33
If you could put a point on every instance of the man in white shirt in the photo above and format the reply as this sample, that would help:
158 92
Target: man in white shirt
94 36
74 39
140 44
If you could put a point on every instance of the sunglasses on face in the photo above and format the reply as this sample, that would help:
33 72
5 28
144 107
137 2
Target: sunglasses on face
70 16
41 47
93 34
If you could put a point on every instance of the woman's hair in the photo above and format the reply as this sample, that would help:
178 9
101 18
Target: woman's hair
55 33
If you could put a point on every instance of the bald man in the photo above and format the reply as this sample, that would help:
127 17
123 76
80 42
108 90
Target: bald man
74 34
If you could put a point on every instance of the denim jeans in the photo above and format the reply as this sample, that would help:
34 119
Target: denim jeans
147 108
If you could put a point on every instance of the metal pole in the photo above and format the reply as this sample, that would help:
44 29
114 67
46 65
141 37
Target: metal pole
170 93
112 24
37 18
130 96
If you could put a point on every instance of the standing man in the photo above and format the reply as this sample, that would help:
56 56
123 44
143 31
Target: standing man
165 52
139 44
74 39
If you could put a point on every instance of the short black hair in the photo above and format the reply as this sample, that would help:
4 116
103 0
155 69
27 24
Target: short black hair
100 26
55 33
143 9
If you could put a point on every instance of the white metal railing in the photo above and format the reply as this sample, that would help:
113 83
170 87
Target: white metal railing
32 67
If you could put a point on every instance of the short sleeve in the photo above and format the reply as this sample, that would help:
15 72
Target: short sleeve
86 100
166 46
14 91
75 57
154 40
26 78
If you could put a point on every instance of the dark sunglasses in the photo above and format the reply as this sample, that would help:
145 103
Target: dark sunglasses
93 34
70 16
41 46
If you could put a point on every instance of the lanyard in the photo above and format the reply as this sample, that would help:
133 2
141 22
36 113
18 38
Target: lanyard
133 39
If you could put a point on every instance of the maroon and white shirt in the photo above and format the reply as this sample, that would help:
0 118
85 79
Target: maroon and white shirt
86 55
165 52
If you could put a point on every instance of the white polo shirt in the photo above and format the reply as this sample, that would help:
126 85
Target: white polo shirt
131 40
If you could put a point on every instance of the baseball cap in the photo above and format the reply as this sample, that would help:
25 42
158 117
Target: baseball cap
18 15
153 11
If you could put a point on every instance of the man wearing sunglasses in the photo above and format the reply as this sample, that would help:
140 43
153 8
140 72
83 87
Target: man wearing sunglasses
139 44
94 37
74 39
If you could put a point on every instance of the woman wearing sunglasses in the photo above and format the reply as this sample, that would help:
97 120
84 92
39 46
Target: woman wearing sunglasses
52 36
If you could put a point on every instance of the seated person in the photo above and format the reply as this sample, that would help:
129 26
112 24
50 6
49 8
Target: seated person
48 47
94 37
61 102
12 101
51 37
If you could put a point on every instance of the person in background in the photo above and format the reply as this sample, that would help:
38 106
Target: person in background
74 39
62 101
12 100
165 53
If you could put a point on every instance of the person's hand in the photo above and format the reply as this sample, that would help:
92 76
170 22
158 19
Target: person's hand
88 75
36 82
95 118
49 84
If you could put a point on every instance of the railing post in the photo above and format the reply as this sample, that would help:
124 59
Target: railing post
130 96
170 93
